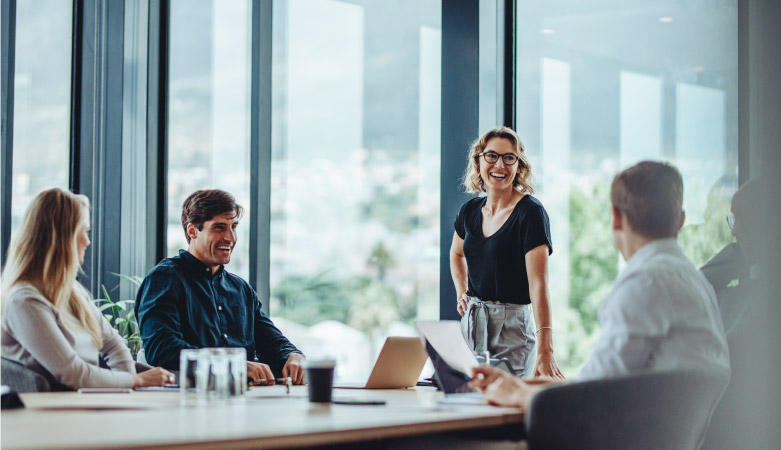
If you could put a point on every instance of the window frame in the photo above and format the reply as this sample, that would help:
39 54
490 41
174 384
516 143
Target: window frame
8 55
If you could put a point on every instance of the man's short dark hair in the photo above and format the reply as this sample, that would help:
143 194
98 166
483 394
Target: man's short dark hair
650 193
204 204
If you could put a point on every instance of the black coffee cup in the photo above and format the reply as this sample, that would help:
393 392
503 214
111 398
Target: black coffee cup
320 380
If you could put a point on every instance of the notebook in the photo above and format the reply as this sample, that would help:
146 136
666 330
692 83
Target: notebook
399 365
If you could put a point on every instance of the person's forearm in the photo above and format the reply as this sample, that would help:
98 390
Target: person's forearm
537 272
162 338
159 323
271 345
542 318
163 349
459 273
116 352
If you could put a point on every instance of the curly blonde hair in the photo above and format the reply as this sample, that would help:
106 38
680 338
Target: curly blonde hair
474 183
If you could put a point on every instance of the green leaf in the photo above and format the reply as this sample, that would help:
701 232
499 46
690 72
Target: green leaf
126 304
136 280
105 306
105 292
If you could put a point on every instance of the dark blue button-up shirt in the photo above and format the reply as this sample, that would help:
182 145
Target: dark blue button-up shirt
181 305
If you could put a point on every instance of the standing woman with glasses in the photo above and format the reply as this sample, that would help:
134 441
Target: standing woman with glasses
499 258
49 322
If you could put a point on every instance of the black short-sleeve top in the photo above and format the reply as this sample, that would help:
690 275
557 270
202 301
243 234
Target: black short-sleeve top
496 264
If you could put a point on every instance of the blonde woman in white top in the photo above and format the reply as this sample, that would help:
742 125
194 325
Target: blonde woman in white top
49 323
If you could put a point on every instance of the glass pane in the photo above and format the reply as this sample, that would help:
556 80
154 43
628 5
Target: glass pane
208 115
42 96
135 212
603 86
355 174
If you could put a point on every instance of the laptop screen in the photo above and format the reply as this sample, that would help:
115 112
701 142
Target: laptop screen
451 380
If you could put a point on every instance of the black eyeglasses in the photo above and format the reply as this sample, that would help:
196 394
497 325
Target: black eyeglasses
508 158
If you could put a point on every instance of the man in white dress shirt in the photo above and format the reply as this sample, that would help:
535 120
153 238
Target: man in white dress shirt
661 313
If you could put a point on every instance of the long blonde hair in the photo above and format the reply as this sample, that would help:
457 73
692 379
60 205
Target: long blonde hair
474 183
44 253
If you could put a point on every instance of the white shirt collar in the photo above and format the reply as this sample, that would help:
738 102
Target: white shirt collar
664 245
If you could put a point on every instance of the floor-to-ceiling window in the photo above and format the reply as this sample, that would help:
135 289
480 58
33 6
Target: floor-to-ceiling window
600 86
209 111
355 174
42 101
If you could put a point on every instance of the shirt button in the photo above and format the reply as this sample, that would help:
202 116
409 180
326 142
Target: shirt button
225 336
219 308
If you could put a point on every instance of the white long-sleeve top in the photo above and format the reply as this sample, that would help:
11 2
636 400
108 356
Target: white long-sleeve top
661 314
53 342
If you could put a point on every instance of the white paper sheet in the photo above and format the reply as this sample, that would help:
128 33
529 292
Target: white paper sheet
446 338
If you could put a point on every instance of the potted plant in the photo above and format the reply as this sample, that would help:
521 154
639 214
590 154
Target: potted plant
121 314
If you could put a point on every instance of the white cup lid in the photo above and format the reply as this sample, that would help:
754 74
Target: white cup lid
320 364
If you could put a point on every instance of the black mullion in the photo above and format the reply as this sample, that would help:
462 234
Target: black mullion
460 122
510 24
76 80
157 129
162 149
8 17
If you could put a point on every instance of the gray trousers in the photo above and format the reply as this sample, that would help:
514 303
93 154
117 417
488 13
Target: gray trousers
505 330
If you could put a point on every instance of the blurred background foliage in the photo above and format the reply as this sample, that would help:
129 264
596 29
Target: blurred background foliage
370 303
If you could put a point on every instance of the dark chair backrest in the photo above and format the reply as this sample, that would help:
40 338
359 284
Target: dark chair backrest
21 379
667 410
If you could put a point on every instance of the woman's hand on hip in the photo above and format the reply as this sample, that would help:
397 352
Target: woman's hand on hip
463 301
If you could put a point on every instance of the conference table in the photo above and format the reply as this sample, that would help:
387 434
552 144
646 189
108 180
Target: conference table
267 417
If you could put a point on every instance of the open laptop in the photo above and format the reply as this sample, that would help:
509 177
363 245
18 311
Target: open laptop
399 365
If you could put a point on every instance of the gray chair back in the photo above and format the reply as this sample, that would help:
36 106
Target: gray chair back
641 411
21 379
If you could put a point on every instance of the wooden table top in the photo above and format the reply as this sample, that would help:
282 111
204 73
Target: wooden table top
266 417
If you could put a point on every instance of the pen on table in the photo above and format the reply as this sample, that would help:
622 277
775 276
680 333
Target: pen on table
266 380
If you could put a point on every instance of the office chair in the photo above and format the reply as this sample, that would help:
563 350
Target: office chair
639 411
21 379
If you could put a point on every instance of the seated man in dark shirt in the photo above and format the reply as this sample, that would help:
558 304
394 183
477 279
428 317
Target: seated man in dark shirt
735 271
190 301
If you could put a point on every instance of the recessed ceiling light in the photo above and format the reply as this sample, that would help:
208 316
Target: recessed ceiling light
665 19
699 69
547 31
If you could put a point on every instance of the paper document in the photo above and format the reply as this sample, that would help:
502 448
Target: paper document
446 338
